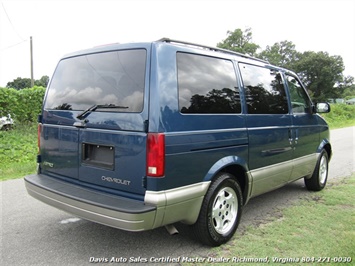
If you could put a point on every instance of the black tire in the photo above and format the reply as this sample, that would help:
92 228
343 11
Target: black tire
220 212
6 127
320 175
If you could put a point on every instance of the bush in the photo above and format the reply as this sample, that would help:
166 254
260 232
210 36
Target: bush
18 150
23 105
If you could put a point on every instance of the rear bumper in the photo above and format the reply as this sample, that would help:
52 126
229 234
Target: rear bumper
159 207
96 206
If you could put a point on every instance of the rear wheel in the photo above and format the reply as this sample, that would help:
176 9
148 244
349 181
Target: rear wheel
320 175
220 212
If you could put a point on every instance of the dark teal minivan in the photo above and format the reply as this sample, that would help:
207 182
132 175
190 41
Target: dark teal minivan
143 135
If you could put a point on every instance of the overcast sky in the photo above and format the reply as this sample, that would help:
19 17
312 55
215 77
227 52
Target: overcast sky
60 27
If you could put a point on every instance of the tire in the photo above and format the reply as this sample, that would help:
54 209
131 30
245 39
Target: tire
220 212
6 127
320 175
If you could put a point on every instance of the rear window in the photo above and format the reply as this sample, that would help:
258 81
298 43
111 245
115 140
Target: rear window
110 78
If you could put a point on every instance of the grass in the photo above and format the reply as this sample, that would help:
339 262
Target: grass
341 115
18 150
321 227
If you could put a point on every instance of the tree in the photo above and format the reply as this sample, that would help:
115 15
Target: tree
349 92
322 74
19 83
240 42
282 54
22 83
43 81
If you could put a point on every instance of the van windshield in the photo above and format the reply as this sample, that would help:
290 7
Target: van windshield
111 78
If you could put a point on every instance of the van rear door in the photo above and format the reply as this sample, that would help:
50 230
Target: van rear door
94 119
59 144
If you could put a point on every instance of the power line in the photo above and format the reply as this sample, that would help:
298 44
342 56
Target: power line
13 45
12 25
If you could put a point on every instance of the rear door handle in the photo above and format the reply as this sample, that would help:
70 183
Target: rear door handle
290 139
296 135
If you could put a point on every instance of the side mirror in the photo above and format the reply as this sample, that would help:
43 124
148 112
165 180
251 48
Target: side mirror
322 108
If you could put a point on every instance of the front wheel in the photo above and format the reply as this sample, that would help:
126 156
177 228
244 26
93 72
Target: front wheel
320 175
220 212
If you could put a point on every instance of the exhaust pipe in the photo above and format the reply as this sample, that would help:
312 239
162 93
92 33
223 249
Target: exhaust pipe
171 229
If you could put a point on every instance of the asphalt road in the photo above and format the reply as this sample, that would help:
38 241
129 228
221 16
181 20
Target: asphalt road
33 233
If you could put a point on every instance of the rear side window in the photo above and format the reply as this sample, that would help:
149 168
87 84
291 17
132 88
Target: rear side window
264 90
110 78
207 85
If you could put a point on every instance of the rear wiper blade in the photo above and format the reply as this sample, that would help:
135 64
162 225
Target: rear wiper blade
91 109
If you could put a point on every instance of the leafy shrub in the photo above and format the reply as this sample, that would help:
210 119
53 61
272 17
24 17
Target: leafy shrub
23 105
18 150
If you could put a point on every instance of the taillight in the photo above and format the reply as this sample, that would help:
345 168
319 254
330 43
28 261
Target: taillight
156 154
39 131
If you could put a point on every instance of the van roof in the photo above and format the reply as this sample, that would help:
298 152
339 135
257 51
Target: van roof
107 48
113 46
174 42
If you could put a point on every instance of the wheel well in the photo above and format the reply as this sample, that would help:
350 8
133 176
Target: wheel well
328 149
240 175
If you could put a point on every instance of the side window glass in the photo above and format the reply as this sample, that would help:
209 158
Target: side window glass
207 85
299 99
264 90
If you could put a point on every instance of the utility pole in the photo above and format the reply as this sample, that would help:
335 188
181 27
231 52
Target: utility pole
31 51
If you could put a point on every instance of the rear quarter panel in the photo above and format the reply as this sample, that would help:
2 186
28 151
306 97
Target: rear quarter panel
194 142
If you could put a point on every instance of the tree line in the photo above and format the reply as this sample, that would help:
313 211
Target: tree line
22 83
321 73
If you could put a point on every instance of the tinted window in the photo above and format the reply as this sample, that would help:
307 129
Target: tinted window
115 78
207 85
264 90
299 99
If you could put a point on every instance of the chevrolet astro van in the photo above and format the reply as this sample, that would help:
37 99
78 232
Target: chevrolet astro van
143 135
